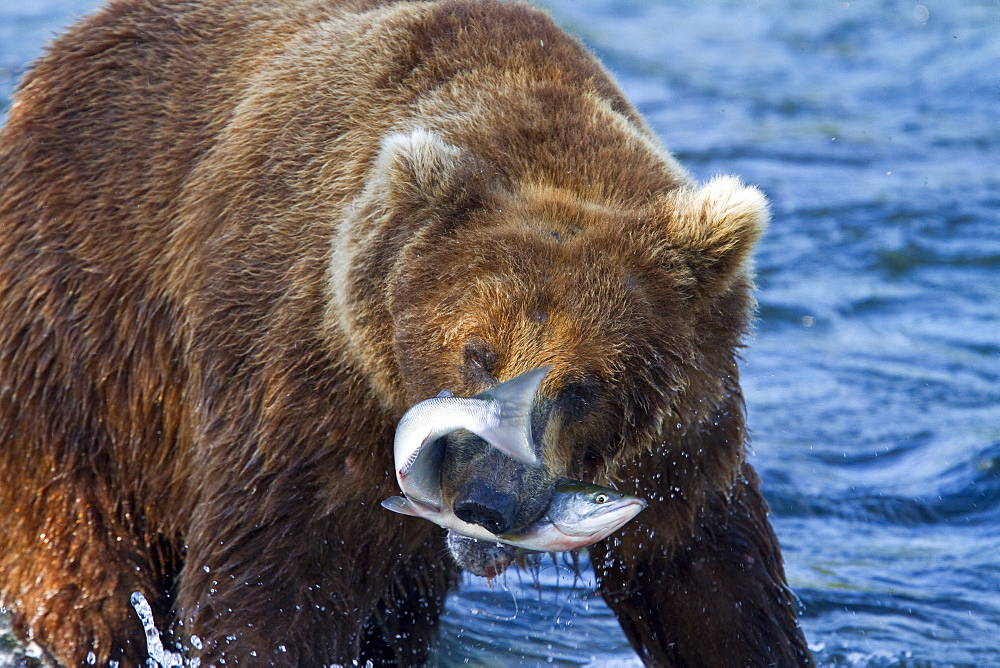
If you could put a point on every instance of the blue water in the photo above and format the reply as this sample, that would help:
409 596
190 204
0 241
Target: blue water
873 376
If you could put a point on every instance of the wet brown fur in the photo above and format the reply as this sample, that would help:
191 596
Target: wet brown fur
238 239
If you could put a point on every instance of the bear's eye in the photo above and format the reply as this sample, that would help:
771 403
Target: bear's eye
578 398
480 361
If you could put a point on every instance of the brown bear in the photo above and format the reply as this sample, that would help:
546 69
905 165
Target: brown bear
239 239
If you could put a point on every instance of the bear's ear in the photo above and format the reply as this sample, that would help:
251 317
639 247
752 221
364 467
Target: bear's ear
715 227
417 169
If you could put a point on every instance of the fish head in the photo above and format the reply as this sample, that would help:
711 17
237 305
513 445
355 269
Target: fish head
589 511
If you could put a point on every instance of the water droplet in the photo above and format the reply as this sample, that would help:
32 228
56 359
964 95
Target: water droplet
91 658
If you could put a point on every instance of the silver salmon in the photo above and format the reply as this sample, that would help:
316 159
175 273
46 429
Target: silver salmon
579 515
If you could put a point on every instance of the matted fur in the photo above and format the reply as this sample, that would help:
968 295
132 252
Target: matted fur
238 239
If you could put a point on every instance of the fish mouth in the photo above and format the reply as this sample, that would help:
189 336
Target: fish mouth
605 521
625 507
481 557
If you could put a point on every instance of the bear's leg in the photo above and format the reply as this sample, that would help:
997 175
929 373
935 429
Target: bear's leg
251 557
241 568
72 574
714 595
401 631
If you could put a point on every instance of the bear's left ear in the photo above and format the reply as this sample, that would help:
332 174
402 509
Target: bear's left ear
418 169
715 227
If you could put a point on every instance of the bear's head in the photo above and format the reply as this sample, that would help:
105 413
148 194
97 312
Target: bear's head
449 274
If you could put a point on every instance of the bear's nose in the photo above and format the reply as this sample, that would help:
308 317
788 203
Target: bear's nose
480 504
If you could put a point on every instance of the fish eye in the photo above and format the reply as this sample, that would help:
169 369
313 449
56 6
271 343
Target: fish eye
601 498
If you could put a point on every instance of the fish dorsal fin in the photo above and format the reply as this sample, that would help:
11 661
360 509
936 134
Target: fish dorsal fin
512 434
411 507
445 394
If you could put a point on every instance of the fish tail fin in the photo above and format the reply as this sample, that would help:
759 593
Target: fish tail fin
512 434
407 506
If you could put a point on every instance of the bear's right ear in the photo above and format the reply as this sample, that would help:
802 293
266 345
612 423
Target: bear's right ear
418 169
714 228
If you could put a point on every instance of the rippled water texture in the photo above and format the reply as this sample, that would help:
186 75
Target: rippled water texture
873 378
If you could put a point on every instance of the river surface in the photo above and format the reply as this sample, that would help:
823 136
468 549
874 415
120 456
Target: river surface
873 375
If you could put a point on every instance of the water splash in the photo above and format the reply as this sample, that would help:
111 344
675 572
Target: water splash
159 657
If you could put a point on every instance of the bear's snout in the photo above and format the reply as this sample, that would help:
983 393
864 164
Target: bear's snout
478 503
486 487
